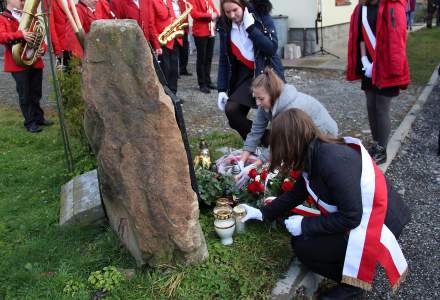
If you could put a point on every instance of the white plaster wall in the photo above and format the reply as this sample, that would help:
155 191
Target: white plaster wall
334 15
302 13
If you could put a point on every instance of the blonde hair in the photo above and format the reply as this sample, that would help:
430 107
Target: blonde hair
270 82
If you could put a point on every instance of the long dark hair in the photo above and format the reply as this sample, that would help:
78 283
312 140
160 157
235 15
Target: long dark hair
292 132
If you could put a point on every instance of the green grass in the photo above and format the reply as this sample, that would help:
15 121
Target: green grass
423 49
38 258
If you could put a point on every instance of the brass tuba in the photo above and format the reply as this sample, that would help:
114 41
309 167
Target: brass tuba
176 28
25 53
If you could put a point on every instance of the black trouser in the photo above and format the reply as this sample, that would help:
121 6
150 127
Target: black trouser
169 62
183 54
431 11
324 254
205 51
29 88
378 107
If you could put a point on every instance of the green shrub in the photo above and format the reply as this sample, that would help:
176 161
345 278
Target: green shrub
72 101
73 288
73 108
106 280
212 185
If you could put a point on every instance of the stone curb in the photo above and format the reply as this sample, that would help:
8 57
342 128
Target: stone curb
405 126
296 276
286 286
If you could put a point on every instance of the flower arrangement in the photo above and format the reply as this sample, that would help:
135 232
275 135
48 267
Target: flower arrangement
264 186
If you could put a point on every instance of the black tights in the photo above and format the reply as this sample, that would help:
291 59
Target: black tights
237 117
378 108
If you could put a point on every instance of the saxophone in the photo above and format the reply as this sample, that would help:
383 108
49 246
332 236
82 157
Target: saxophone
176 28
25 53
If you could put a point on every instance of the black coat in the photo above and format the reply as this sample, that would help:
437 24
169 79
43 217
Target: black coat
265 40
334 174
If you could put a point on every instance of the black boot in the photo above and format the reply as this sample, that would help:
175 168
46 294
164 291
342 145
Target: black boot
378 153
344 292
205 89
380 156
33 128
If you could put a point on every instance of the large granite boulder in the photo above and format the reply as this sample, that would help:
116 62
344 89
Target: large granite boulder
142 164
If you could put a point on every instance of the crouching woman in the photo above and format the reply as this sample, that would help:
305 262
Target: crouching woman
273 96
361 215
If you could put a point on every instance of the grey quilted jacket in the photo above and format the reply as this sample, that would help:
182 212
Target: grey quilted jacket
289 98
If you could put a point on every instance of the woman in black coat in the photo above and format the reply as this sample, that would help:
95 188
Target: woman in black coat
248 44
361 215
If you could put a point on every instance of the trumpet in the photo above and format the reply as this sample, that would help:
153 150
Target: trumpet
176 28
25 53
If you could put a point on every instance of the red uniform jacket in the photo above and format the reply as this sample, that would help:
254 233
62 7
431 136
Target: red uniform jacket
164 16
86 16
201 17
144 15
9 35
57 24
390 66
182 6
103 10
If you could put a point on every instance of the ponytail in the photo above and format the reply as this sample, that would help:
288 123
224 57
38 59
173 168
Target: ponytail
270 82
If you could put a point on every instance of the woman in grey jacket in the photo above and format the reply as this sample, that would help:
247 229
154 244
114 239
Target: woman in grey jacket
273 97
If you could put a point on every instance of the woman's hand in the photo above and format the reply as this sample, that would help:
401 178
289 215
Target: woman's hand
252 213
244 157
221 101
293 225
159 51
367 66
248 19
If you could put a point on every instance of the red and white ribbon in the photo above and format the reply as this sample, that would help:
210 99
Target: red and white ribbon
367 33
371 242
242 46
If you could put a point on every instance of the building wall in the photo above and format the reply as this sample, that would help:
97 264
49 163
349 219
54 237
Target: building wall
302 13
335 15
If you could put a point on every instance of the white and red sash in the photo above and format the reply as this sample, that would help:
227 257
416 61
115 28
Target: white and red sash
242 46
368 35
371 242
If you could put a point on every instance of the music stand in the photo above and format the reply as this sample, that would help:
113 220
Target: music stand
322 50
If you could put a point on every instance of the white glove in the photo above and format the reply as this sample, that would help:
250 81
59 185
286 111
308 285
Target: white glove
252 213
293 225
367 66
222 99
243 177
248 18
